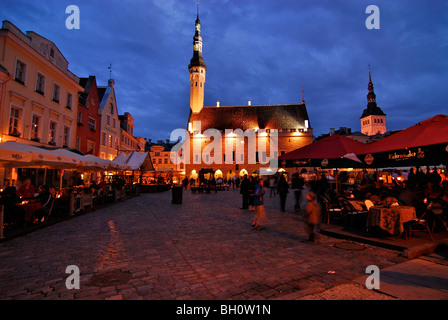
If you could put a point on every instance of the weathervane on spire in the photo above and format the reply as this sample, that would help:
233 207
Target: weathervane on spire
110 71
303 95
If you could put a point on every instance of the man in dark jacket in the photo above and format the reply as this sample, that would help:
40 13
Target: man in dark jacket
297 185
282 190
244 190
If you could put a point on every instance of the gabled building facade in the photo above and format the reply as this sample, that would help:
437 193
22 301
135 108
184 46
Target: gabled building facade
88 134
110 124
127 140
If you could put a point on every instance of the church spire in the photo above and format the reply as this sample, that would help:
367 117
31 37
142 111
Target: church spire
197 60
197 15
371 97
197 69
373 119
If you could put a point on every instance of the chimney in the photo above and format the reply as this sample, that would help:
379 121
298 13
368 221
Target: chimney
217 104
331 131
249 103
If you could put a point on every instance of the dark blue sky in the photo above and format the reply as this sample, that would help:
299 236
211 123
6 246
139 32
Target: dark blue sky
258 50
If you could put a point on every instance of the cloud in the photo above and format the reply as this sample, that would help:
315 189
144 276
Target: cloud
259 50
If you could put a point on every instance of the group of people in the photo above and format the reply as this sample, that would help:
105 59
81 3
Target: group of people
13 195
277 185
253 191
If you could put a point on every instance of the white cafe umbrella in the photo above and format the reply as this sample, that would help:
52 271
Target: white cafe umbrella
14 154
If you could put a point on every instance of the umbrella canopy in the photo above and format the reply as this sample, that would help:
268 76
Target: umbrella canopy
103 163
327 152
429 132
425 143
135 160
86 163
14 154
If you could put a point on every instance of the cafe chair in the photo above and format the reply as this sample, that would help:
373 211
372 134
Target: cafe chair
368 203
416 225
331 210
437 210
349 213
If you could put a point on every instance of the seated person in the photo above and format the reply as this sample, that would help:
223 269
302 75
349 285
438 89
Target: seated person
14 214
408 195
26 190
46 198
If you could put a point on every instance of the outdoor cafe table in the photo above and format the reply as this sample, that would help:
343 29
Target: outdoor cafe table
30 207
390 219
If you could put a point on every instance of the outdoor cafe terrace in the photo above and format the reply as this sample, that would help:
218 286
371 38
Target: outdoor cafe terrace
385 190
47 184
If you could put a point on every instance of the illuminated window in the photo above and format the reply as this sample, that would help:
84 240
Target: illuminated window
35 128
52 132
15 122
90 146
92 124
66 136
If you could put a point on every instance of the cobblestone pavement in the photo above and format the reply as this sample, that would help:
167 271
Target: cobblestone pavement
203 249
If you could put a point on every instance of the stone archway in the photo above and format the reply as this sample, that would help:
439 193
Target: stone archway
219 174
193 175
230 174
243 172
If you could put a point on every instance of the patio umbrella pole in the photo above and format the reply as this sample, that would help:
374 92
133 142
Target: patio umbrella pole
1 221
337 182
45 176
10 176
60 181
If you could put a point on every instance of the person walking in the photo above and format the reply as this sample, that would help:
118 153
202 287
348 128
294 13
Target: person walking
252 184
260 213
272 185
244 191
282 190
312 216
297 185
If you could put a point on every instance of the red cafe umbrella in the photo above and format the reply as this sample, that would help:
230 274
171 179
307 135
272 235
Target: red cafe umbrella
428 132
421 144
327 152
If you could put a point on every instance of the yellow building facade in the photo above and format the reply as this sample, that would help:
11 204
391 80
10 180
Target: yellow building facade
39 95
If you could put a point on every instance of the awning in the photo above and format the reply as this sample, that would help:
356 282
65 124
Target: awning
330 152
18 155
423 144
134 160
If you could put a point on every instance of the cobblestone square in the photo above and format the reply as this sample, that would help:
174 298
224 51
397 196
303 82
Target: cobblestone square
203 249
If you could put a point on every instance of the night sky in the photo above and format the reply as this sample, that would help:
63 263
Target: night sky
258 50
